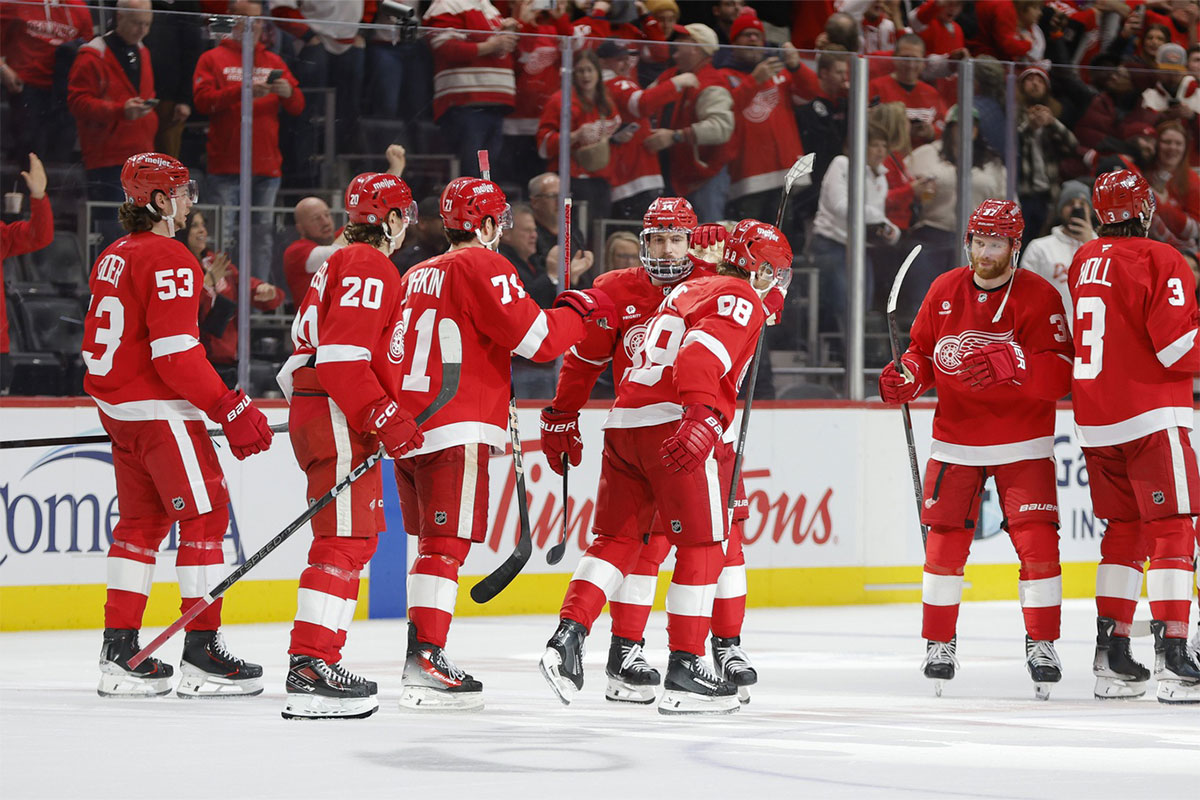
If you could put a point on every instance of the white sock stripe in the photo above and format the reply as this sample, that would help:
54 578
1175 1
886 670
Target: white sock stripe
636 590
432 591
1041 593
196 579
941 590
1179 469
1169 584
347 614
598 572
1118 581
686 600
716 508
128 575
343 503
191 466
320 608
466 500
732 582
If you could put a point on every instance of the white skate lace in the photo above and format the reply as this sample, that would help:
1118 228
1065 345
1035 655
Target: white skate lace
442 662
940 653
736 656
217 648
633 658
344 674
701 670
1041 654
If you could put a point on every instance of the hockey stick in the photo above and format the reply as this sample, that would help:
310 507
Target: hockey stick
502 576
99 438
555 554
894 336
451 344
802 167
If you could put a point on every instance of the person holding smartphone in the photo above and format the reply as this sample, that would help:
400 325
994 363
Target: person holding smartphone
1050 256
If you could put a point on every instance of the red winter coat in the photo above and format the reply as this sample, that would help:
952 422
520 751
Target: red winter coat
30 34
598 126
634 168
97 89
461 77
692 163
23 237
537 74
999 34
766 140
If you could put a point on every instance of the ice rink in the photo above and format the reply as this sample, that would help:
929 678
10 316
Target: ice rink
840 710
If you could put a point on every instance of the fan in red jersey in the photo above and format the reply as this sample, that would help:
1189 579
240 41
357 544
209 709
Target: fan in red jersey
994 342
1136 357
475 292
675 401
153 386
343 383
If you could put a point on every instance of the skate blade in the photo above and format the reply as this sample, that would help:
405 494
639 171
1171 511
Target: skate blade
1117 689
308 706
938 685
564 689
197 684
427 698
116 682
677 703
1041 690
621 692
1178 692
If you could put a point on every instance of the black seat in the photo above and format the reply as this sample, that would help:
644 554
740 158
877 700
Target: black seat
60 262
37 374
53 324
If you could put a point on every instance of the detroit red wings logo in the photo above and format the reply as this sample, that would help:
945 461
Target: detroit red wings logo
635 340
538 59
396 347
762 105
950 351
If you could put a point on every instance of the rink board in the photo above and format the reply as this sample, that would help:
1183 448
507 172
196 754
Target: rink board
832 520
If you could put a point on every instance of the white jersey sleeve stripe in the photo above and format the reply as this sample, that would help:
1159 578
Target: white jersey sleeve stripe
537 333
601 363
1177 349
170 345
713 345
191 466
327 353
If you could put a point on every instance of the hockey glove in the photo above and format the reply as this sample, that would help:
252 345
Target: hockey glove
246 428
694 440
397 431
895 387
709 234
594 305
560 436
1001 362
773 304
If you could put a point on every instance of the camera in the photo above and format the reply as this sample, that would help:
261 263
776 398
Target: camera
221 25
393 12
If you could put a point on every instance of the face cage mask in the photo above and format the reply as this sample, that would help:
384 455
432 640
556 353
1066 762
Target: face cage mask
505 223
668 270
777 278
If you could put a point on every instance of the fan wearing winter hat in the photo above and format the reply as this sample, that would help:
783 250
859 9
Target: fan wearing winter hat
1050 256
1177 94
1044 142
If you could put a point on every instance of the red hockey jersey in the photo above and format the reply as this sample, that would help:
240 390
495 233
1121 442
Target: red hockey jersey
634 168
766 139
30 34
476 292
1007 422
696 350
1135 340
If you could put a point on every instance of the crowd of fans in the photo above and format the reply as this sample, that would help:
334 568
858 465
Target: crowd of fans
712 101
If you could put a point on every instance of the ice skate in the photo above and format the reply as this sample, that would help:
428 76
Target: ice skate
562 663
940 663
152 677
1194 646
209 670
1044 667
1175 670
732 664
432 682
317 690
1118 675
692 688
630 678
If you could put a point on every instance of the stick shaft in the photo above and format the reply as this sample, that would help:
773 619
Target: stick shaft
99 438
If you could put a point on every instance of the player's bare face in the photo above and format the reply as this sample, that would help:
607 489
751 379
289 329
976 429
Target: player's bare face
671 245
991 256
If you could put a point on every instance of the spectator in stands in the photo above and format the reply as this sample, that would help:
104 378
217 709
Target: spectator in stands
581 268
621 251
1044 142
841 29
30 37
990 102
1176 95
111 89
1176 188
18 238
943 37
175 42
545 199
1182 20
724 12
698 135
657 27
218 302
217 89
1050 255
876 23
1137 45
904 190
425 239
319 238
1098 131
519 245
1008 30
474 85
399 74
926 110
1193 63
823 120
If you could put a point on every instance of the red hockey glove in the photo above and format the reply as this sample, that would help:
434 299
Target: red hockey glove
709 234
697 435
246 428
594 305
1001 362
397 431
897 387
773 304
560 436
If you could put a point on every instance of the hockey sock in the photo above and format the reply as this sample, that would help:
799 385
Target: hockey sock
433 586
1040 585
690 596
942 582
131 569
630 605
603 567
1119 576
729 607
199 565
328 594
1169 580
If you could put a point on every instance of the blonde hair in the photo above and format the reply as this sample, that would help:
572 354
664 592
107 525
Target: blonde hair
892 120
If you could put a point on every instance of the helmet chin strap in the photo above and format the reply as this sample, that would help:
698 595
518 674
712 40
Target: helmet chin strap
492 244
394 242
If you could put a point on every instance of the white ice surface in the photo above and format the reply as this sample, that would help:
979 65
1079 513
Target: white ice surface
841 710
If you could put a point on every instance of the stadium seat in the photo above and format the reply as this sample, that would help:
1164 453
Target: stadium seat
60 263
54 324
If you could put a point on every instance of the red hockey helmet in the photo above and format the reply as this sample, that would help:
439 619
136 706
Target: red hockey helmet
996 218
467 202
371 195
667 215
1118 196
670 212
147 173
762 250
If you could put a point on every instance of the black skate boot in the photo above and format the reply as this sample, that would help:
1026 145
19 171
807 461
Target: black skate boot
1177 674
209 670
1044 667
692 688
562 663
151 678
1117 673
315 690
630 678
732 664
433 683
941 662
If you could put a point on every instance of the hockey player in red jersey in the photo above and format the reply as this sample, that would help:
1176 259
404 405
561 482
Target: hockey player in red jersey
342 383
154 389
1136 356
444 484
671 410
994 342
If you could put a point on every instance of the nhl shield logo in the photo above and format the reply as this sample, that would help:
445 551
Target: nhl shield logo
178 503
439 517
676 526
1158 497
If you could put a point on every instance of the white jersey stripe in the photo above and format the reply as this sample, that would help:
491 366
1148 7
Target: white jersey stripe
732 582
127 575
327 353
1177 349
713 345
636 590
466 499
1179 472
600 573
1041 593
170 345
319 608
191 467
716 508
941 590
1169 584
195 580
539 329
343 503
432 591
686 600
1119 582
